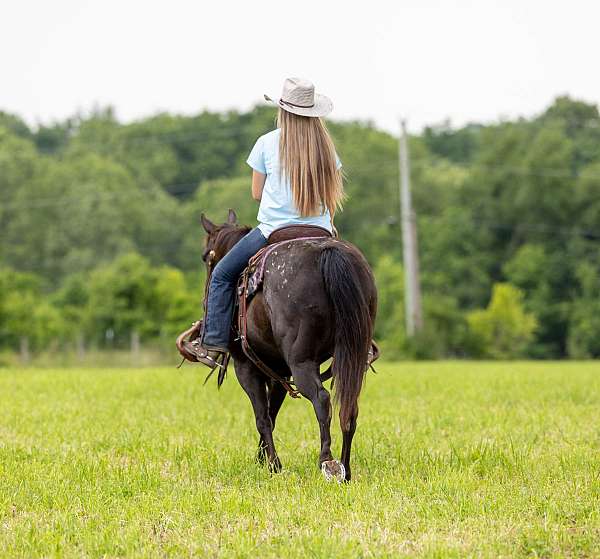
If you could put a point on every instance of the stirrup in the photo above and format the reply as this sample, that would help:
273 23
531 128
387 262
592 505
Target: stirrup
188 336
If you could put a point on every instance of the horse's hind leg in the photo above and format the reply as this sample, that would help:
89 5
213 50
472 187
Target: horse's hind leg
347 436
255 385
306 377
276 396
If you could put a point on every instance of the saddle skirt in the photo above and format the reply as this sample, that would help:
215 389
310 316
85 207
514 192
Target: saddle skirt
252 277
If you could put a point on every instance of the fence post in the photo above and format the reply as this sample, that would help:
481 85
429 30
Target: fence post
135 347
80 344
24 350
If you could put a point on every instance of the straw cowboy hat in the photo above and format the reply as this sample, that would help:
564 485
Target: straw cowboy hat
299 97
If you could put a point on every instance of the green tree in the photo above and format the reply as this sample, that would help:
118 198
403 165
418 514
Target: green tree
579 120
504 329
584 322
587 201
129 295
19 167
389 326
542 276
445 332
121 301
71 300
456 256
456 145
177 304
15 125
25 314
85 210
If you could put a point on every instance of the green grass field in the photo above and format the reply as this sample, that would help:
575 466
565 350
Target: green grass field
451 459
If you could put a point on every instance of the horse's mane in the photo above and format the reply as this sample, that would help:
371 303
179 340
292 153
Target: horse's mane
228 235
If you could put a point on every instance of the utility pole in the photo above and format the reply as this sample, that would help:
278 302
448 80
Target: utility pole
410 253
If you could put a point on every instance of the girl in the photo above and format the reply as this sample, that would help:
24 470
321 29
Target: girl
297 179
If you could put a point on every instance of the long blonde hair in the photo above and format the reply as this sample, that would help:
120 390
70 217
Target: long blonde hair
307 157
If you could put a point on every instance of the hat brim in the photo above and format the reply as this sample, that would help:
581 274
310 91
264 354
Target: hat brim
322 107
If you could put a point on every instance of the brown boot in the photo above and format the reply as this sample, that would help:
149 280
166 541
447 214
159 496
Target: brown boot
209 357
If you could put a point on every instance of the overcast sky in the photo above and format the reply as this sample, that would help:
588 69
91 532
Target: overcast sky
426 59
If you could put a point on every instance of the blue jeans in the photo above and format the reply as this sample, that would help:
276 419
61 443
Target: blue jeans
221 290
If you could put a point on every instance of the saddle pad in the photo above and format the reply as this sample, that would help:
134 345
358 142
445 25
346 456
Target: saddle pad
256 265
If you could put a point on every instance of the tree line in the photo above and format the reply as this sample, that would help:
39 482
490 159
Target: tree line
100 236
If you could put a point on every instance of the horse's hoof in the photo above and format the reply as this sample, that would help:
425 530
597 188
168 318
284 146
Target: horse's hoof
333 469
275 467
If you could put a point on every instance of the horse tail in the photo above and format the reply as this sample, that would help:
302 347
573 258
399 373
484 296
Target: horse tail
341 272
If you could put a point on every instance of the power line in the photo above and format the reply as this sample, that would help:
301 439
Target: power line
119 135
118 140
590 249
589 235
94 196
522 171
184 188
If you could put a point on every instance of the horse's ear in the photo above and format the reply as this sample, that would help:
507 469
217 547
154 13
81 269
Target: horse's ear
232 217
208 225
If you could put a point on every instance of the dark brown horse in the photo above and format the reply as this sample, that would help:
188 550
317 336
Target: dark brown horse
318 301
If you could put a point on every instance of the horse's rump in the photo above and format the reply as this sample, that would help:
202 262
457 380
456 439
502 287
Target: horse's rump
319 298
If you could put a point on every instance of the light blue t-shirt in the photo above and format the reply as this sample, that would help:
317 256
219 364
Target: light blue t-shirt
277 207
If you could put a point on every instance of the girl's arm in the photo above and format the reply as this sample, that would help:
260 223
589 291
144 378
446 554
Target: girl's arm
258 183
